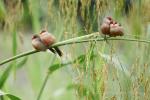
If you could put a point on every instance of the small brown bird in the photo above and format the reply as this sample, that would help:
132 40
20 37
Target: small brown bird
116 30
105 26
48 39
37 43
111 27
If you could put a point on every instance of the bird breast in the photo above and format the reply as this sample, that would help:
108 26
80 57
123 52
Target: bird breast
38 45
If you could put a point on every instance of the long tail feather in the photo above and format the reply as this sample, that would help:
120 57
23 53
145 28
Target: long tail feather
59 52
52 50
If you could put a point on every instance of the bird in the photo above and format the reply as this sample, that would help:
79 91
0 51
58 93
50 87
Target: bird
48 39
116 30
105 26
111 27
37 43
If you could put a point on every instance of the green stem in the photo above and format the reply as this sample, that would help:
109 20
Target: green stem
43 86
18 56
102 39
81 39
47 75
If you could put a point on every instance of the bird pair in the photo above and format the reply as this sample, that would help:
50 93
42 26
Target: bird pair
111 28
43 41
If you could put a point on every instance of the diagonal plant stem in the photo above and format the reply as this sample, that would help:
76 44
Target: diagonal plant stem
43 86
47 75
81 39
18 56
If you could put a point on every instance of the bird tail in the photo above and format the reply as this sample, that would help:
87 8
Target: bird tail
59 52
52 50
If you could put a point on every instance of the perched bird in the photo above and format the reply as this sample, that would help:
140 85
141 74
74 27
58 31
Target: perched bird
48 39
105 26
37 43
116 30
111 28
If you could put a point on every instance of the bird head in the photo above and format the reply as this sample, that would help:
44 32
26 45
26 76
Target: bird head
43 31
35 36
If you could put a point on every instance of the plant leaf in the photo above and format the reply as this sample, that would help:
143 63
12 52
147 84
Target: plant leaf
57 66
7 72
10 96
5 75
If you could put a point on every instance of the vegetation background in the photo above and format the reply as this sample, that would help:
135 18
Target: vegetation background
95 70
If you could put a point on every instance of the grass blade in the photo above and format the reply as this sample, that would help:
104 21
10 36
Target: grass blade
5 75
10 96
7 72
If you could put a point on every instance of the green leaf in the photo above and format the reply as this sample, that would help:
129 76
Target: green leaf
7 72
14 48
10 96
57 66
5 75
82 58
79 59
14 41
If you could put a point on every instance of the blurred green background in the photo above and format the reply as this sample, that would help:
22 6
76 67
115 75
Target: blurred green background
91 71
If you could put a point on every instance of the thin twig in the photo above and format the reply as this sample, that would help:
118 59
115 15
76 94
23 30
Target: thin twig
18 56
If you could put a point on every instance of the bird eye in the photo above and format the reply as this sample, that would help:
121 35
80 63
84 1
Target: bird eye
34 36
